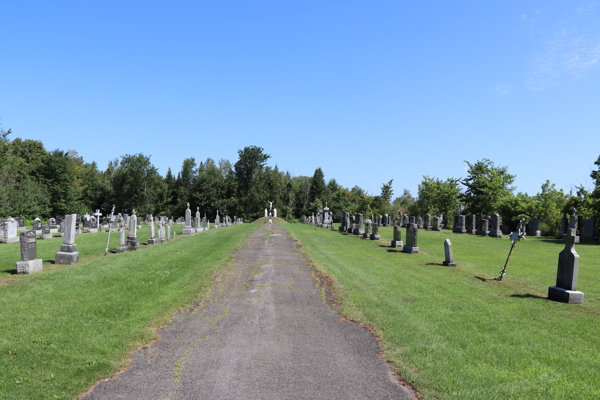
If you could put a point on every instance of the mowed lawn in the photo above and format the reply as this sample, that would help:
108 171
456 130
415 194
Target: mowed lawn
456 334
69 326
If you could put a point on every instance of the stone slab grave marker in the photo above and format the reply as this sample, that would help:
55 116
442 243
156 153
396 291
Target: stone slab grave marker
495 228
567 274
412 239
46 234
533 228
483 228
471 224
397 242
122 247
360 225
448 261
589 229
427 222
8 231
20 224
29 263
459 225
368 229
419 222
68 254
375 234
152 239
133 243
161 232
436 224
342 227
187 229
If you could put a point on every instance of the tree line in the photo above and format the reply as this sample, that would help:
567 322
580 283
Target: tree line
36 182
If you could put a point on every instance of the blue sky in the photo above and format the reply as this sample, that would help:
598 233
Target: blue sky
368 91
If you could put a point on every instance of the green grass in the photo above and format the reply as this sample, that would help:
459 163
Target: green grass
455 334
69 326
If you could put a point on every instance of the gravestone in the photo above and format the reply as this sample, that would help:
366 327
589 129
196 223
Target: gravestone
198 220
8 231
360 225
495 228
449 261
459 224
419 222
564 222
169 231
61 229
122 247
427 222
397 242
92 225
133 243
29 263
217 221
187 229
68 254
589 229
534 228
20 224
37 224
152 239
567 275
412 239
344 222
46 234
205 223
436 224
405 220
368 229
161 232
375 234
412 220
483 228
471 224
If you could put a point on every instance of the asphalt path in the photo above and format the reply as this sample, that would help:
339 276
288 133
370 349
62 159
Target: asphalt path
263 331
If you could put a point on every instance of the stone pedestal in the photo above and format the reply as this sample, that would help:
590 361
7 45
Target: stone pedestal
565 296
133 243
153 241
67 255
92 230
30 267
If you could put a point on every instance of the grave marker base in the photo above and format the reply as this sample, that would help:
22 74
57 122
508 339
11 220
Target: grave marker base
565 296
410 249
66 258
30 267
398 244
449 264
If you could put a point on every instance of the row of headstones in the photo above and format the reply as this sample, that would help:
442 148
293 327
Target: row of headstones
567 274
164 233
198 224
468 224
356 225
67 255
323 219
589 228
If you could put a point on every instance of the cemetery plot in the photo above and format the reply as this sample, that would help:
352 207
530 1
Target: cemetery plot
456 333
76 325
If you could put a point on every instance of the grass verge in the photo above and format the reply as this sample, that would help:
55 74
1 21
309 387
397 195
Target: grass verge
456 334
66 328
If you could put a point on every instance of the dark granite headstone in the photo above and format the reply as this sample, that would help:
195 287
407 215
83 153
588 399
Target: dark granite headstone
28 246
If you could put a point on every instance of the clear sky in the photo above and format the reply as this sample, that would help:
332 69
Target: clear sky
368 91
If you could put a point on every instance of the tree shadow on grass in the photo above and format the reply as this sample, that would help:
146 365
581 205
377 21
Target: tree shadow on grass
527 296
